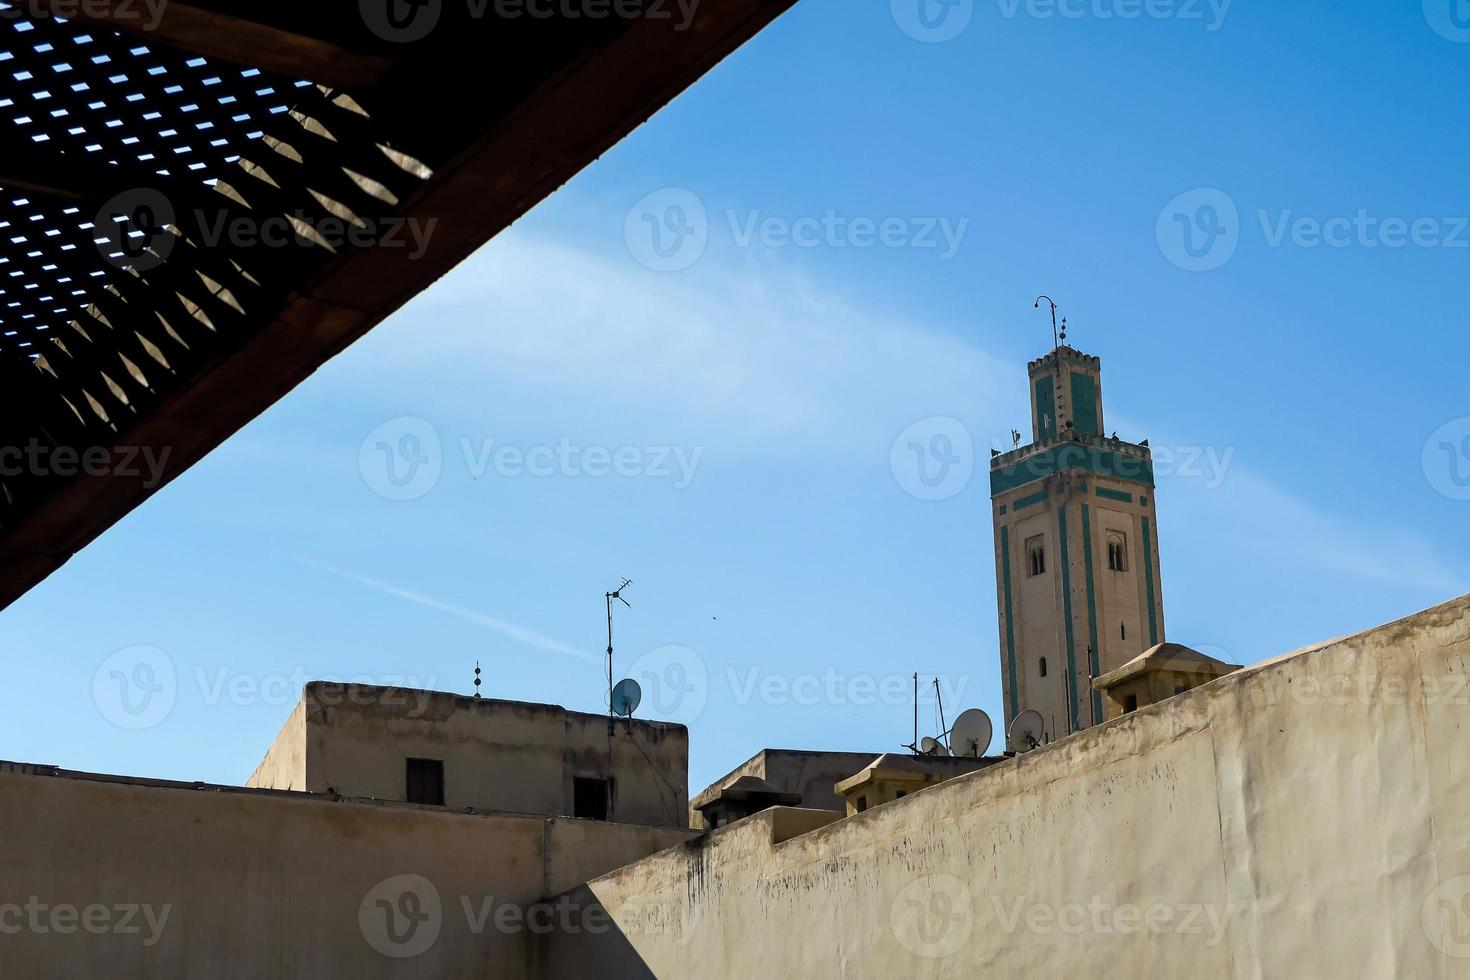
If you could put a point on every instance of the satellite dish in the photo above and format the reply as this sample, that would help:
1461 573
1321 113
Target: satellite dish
932 746
1027 731
971 733
626 697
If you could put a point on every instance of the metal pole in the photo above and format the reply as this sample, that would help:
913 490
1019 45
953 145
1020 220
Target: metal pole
1071 701
609 599
939 700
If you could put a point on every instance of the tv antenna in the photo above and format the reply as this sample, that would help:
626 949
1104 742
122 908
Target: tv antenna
626 697
970 736
1027 731
932 746
913 746
929 745
610 596
943 728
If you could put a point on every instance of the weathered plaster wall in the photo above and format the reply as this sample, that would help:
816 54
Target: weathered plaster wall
259 884
1306 817
498 755
284 765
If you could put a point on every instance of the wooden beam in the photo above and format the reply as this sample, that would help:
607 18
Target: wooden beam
37 168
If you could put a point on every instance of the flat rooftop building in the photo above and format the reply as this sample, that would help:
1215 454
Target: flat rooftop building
440 749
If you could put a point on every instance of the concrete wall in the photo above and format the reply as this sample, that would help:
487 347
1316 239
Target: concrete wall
284 765
1307 817
497 755
812 774
101 876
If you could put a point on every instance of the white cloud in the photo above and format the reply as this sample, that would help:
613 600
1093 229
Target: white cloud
1247 517
521 634
762 363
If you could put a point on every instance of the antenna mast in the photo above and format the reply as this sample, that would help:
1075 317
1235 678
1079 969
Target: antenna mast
609 597
939 700
913 746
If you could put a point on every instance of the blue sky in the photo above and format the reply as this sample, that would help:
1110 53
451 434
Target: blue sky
786 583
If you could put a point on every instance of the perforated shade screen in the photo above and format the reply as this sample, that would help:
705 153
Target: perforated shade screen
196 212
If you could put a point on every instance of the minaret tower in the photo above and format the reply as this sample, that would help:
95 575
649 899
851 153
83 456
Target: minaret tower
1076 546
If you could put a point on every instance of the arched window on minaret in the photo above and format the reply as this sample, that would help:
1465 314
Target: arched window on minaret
1041 665
1117 552
1036 555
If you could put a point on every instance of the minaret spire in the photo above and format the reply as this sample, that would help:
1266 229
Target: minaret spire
1057 337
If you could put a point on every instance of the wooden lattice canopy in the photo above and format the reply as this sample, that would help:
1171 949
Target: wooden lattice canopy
201 201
